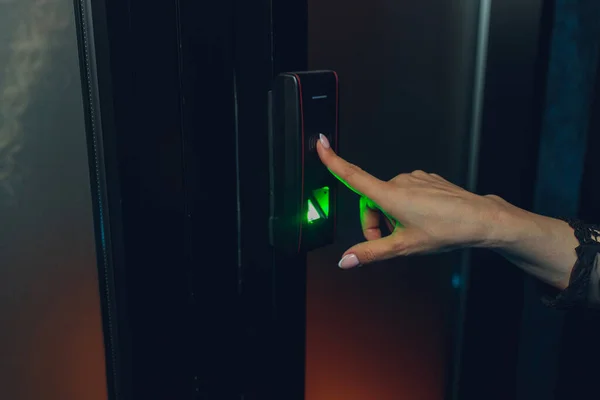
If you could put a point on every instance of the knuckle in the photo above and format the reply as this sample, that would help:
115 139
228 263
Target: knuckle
400 248
412 179
400 179
494 197
418 176
368 255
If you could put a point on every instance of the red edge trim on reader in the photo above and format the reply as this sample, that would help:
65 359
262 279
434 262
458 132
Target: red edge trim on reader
336 145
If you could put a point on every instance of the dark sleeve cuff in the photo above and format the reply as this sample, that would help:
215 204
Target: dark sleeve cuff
594 284
584 284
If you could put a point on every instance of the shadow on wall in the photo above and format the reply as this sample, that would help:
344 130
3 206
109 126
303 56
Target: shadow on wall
384 332
375 333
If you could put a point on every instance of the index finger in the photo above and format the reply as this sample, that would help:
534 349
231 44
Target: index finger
352 176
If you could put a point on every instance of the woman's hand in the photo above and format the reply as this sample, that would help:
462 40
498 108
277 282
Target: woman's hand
428 214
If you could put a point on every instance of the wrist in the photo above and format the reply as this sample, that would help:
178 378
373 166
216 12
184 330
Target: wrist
509 225
542 246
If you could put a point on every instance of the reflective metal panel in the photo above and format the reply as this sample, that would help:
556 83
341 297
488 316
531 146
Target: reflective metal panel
406 73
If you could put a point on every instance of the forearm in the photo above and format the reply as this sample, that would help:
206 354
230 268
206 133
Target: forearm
543 247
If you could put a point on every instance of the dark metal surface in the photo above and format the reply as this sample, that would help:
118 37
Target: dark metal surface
207 87
270 38
168 78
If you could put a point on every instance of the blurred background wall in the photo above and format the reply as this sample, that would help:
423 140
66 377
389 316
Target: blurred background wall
51 344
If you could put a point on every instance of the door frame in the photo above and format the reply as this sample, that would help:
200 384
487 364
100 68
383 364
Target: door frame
158 111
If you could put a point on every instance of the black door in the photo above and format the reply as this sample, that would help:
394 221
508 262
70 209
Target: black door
159 92
196 305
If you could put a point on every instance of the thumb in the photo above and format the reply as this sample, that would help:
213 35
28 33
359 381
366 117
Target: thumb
371 251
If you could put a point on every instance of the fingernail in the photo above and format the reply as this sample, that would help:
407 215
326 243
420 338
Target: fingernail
348 261
324 141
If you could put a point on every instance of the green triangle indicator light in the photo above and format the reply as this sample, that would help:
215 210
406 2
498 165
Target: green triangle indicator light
312 214
322 197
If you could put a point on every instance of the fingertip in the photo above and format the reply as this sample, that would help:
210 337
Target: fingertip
324 141
322 149
349 261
